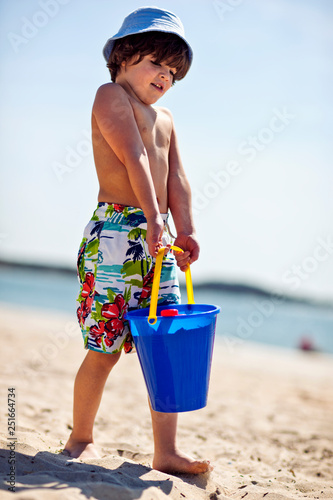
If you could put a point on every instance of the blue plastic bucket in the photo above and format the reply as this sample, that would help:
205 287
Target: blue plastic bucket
175 351
175 355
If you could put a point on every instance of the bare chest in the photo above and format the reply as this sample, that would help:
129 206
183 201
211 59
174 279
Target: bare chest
155 129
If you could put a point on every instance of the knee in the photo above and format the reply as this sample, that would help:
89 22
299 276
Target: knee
112 359
109 360
103 361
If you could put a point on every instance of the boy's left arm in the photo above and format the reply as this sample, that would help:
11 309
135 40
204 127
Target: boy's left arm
180 204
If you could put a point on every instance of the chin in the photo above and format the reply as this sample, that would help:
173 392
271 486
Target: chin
149 102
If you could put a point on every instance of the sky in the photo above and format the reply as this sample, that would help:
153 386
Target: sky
253 118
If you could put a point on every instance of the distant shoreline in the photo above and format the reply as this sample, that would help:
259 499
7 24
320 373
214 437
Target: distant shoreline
221 286
37 267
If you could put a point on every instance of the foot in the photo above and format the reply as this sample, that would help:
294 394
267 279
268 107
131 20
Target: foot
177 462
78 449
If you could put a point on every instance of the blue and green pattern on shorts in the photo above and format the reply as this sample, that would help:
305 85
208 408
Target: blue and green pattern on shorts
116 271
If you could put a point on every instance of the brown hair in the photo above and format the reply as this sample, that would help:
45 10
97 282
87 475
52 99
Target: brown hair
165 47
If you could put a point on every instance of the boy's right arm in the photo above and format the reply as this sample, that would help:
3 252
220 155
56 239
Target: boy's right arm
116 121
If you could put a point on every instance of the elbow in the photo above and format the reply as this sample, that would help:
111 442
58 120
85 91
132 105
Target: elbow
134 157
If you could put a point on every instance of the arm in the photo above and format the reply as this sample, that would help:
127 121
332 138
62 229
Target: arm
115 118
179 196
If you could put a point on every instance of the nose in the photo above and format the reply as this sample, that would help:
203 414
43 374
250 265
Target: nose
164 74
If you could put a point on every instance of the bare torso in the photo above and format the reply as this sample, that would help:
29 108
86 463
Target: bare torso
155 128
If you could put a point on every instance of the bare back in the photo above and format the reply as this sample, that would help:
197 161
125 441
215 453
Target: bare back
155 126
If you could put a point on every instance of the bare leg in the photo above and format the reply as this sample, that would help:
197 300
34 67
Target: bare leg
167 458
88 390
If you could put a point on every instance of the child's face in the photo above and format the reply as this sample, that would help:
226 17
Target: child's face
148 80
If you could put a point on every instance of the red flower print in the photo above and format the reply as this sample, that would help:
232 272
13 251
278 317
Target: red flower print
110 311
115 313
115 310
147 285
110 336
88 285
80 313
89 302
118 208
115 326
121 304
84 309
88 293
128 345
108 341
97 331
109 332
146 292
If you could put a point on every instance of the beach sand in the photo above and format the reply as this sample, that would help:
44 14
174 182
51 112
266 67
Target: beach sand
267 428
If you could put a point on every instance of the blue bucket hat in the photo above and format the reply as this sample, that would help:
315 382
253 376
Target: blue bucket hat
148 19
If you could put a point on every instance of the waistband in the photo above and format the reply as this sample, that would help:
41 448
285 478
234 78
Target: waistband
122 214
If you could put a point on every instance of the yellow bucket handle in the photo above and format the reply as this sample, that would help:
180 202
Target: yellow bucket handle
152 318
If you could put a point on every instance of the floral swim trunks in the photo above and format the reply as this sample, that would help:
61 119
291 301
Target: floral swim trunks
116 271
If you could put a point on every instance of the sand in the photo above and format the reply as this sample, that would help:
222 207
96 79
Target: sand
267 428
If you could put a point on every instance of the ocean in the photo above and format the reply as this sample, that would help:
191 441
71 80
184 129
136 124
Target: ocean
246 315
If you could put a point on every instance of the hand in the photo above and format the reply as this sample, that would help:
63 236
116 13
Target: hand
190 245
155 227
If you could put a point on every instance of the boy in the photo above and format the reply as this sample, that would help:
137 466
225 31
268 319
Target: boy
141 177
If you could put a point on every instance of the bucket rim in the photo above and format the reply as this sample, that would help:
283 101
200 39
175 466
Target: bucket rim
144 312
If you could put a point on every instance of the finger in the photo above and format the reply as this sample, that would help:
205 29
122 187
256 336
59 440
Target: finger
167 249
182 255
183 262
195 255
183 266
153 249
177 252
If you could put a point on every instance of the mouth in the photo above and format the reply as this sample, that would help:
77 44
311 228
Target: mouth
158 86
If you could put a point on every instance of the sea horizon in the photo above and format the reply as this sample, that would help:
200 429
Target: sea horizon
231 286
248 313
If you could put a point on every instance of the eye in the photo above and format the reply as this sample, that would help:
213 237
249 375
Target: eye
155 63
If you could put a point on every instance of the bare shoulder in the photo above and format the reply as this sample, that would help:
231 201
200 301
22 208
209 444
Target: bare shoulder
110 93
164 112
111 89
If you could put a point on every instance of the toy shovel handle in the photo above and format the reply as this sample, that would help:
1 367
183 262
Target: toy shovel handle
152 318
